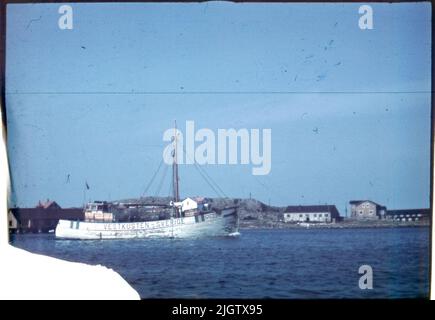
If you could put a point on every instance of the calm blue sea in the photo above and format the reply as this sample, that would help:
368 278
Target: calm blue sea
301 263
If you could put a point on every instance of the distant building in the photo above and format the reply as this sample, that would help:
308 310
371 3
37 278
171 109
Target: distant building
12 221
190 206
43 218
408 214
319 213
366 209
52 205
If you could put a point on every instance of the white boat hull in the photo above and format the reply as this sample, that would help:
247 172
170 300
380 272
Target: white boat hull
208 224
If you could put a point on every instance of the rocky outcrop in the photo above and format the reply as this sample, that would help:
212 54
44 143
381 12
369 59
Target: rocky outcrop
252 213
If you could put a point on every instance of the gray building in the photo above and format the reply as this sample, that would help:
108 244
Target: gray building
367 210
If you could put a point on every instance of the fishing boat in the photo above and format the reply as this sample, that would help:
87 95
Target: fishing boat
188 218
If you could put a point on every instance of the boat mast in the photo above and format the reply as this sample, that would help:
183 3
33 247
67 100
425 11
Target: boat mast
175 167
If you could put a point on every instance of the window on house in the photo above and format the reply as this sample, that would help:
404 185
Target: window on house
10 223
315 215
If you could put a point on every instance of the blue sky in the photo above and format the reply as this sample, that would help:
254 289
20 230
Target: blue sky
93 102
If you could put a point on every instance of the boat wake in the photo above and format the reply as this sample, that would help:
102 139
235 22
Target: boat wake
234 234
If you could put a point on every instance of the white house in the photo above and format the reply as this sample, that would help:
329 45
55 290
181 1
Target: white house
188 204
320 213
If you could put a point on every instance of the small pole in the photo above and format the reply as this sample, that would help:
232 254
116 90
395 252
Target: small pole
84 197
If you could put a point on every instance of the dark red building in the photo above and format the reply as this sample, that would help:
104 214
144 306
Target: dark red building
44 217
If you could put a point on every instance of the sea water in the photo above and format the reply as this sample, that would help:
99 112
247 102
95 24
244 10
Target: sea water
284 263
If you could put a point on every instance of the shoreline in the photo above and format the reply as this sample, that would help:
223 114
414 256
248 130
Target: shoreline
292 226
337 225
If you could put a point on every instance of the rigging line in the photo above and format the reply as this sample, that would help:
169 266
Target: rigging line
165 171
205 172
217 186
152 179
206 180
171 189
266 187
209 181
262 183
197 167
